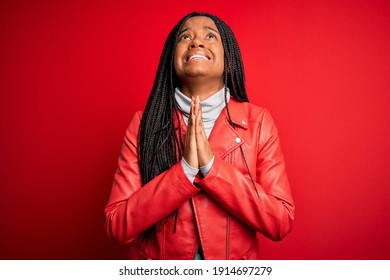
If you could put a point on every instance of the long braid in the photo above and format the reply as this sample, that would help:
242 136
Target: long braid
159 147
234 79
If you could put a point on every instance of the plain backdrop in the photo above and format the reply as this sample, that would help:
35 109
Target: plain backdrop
73 73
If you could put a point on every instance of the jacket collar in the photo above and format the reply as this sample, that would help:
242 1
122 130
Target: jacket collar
238 113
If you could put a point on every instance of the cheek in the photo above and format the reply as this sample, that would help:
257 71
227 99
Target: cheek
221 55
177 58
176 62
222 60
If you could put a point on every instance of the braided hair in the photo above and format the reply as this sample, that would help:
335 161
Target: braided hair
158 143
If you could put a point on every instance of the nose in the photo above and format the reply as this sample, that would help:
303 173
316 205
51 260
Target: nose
196 43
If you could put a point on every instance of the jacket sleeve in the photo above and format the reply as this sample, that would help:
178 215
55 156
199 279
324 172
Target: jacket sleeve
268 206
133 208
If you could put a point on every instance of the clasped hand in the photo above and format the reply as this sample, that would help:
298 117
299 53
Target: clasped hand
197 150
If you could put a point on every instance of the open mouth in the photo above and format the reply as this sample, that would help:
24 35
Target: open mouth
197 57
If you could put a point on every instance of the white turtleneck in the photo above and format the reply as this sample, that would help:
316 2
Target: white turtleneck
211 108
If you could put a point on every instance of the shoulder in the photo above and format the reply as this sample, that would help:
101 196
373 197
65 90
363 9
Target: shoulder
136 119
253 113
132 128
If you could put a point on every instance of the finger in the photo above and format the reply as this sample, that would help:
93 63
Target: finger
193 121
196 107
198 114
199 110
190 149
190 135
191 112
199 120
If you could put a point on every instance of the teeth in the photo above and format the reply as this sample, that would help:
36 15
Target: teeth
197 56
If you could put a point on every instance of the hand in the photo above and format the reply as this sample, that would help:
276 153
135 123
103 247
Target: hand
197 150
203 146
190 150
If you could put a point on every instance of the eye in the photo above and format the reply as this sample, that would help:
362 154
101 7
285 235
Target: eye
211 36
185 37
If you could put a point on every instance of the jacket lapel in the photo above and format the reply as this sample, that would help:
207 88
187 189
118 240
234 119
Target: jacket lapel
224 138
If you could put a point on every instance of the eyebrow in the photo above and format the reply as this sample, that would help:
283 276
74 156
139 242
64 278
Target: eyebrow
184 30
204 27
210 28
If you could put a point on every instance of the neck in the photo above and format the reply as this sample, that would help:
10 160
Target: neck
211 107
201 89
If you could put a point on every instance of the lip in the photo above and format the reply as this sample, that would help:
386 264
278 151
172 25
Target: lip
197 56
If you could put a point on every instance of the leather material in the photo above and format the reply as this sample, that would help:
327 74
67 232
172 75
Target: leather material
223 211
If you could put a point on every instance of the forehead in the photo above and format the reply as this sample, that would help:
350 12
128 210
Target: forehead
199 22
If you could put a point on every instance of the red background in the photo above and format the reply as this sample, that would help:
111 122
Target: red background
73 74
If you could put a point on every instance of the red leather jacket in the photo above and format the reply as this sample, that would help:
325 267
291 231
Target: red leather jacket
222 211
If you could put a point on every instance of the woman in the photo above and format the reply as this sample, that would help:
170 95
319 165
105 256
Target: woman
201 170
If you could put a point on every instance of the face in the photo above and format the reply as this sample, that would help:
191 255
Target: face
199 51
